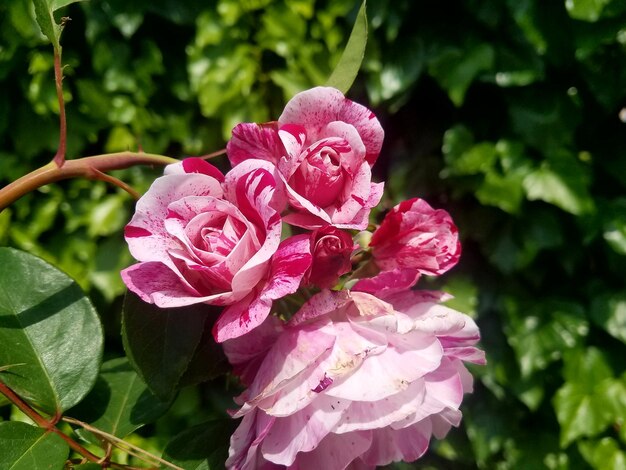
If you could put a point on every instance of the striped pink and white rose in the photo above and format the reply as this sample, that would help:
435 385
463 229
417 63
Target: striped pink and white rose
202 237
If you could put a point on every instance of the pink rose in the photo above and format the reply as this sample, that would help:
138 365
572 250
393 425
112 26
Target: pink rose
323 146
201 237
413 239
415 236
331 249
353 379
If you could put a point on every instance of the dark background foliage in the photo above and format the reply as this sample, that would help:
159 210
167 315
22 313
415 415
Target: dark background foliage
509 114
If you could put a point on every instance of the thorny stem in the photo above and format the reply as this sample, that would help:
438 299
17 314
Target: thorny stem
59 158
49 426
89 167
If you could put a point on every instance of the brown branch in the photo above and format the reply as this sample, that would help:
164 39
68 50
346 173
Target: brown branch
88 167
45 424
208 156
59 158
97 174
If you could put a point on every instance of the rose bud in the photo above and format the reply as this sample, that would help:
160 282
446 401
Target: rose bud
331 249
417 237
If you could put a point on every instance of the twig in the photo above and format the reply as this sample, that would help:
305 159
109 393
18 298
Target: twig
208 156
45 424
59 158
117 182
121 444
88 167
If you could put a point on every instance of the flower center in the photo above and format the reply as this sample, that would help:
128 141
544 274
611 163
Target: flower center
320 176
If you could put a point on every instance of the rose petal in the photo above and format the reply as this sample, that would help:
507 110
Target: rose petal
314 109
255 141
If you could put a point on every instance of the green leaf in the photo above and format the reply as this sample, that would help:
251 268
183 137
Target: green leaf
44 10
120 402
586 10
614 232
479 158
57 4
47 323
455 69
504 192
603 454
562 182
25 447
350 62
591 399
45 20
539 333
609 312
202 447
163 344
579 413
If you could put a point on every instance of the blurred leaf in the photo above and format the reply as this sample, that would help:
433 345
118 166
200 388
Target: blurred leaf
112 256
614 226
456 141
544 119
47 323
57 4
163 343
591 398
489 428
348 67
399 70
465 295
120 401
108 216
540 333
25 447
504 192
202 447
603 454
609 312
479 158
560 181
455 69
586 10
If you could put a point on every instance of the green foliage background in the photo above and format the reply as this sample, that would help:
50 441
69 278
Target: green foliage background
508 113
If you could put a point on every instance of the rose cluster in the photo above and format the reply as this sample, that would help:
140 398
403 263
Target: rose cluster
367 368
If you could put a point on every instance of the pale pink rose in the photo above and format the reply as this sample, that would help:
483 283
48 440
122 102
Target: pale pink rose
352 379
200 237
331 249
323 146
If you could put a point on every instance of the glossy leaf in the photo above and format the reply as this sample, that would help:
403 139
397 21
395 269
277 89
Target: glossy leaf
47 324
349 65
120 401
25 447
202 447
164 344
